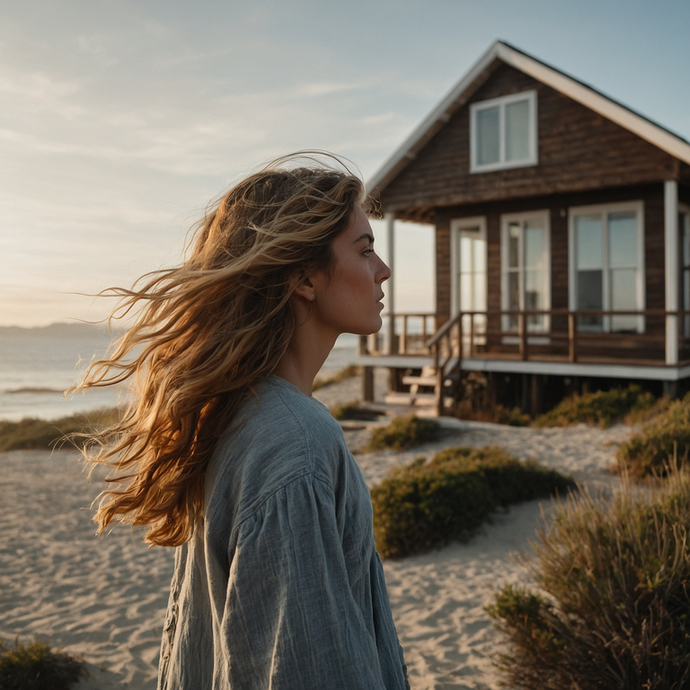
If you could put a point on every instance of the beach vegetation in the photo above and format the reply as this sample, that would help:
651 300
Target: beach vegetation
474 403
496 414
35 666
663 437
347 373
348 410
612 608
427 504
41 434
403 433
604 408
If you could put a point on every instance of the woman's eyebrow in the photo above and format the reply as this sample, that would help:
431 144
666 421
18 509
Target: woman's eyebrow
366 236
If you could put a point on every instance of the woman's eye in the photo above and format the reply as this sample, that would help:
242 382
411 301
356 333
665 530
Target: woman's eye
368 251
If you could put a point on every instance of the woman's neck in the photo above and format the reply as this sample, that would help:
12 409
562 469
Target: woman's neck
305 356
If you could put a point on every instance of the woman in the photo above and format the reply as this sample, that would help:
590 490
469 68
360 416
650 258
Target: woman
225 455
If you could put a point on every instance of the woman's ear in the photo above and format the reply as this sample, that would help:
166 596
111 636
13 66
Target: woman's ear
305 289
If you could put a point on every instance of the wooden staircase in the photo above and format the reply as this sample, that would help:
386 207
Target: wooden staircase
426 389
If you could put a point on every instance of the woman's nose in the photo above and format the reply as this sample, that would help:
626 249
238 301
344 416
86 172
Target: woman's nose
384 272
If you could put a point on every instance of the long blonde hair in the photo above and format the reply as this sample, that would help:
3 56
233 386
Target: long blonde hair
208 332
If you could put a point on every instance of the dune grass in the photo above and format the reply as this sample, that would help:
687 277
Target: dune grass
604 408
41 434
36 666
665 436
403 433
427 504
612 609
347 373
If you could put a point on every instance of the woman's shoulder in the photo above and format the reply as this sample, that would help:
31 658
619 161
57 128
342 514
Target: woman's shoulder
279 435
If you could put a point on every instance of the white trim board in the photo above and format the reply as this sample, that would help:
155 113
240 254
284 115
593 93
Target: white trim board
616 371
481 70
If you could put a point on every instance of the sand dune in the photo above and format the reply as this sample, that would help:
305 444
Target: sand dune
105 597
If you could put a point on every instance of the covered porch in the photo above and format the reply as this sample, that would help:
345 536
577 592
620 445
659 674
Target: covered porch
421 350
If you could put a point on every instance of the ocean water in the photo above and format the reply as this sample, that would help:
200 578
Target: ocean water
38 365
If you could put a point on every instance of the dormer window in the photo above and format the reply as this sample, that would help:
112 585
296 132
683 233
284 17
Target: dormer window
503 132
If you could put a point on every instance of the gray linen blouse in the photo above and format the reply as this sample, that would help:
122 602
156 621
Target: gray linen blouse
281 586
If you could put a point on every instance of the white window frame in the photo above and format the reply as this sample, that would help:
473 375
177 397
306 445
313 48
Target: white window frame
638 208
506 219
502 102
457 225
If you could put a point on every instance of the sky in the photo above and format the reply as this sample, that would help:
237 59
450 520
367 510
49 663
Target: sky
120 120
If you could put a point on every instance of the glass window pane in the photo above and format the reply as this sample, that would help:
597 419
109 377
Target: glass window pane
624 297
517 131
622 239
479 252
534 290
479 292
466 292
514 245
534 254
590 295
588 233
535 297
487 135
465 254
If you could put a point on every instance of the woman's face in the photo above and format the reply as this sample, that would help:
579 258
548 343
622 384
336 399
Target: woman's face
348 299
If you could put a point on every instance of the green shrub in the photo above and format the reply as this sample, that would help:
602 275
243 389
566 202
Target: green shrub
36 667
498 414
347 373
403 433
602 408
348 410
427 504
615 609
666 436
38 433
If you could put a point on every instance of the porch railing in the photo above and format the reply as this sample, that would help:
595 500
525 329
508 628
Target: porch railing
636 336
556 335
403 334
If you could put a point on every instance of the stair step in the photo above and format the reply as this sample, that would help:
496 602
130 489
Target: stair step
420 399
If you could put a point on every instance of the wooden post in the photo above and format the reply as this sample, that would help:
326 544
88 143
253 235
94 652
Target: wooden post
402 346
671 269
471 352
390 288
439 379
572 334
368 384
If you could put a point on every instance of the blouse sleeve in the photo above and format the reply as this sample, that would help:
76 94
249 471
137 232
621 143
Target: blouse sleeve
290 619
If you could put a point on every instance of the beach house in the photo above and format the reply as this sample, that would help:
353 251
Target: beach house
562 222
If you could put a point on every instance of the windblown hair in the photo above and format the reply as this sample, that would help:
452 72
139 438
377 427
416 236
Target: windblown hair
207 334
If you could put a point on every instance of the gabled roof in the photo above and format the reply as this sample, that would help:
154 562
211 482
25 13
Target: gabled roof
576 90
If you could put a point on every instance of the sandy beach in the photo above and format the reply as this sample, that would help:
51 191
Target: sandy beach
105 598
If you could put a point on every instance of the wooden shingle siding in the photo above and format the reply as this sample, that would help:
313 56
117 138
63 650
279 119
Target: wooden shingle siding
684 193
577 150
443 268
651 195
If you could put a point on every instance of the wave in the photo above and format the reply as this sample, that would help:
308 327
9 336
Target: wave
14 391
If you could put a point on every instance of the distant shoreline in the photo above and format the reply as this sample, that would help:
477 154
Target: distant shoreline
61 330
